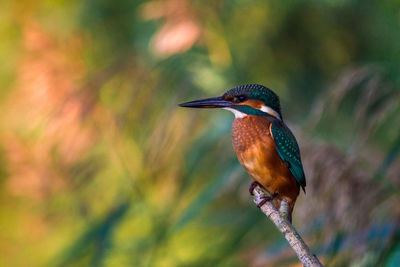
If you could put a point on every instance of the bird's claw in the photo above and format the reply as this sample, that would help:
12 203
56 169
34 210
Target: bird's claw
265 199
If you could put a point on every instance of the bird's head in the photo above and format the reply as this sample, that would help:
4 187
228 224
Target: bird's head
250 99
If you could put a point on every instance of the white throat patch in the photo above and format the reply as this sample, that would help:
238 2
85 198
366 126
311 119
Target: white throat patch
270 111
238 114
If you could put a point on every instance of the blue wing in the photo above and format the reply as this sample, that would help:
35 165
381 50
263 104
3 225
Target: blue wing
288 150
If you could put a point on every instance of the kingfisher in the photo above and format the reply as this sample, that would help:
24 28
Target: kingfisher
263 144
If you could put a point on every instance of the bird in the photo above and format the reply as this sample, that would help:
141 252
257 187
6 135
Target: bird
262 142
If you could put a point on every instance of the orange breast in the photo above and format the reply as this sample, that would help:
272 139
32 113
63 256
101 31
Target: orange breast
256 151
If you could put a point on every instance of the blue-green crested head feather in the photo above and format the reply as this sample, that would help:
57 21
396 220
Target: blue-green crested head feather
258 92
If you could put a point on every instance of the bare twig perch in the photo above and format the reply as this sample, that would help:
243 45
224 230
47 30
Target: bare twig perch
286 228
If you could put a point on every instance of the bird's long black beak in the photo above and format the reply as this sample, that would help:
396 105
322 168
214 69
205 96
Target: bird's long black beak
214 102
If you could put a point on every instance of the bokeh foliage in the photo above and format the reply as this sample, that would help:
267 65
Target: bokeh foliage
98 166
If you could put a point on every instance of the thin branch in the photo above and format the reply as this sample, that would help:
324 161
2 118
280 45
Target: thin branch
286 228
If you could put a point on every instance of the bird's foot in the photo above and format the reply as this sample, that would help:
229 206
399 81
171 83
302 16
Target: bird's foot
253 185
265 199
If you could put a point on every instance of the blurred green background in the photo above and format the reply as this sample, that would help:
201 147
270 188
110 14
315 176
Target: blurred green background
99 167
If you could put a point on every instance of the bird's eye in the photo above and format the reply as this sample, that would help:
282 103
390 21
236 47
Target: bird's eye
238 99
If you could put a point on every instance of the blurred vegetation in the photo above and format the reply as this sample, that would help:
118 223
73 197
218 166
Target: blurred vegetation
98 166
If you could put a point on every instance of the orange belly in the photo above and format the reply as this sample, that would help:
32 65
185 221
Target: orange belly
256 151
